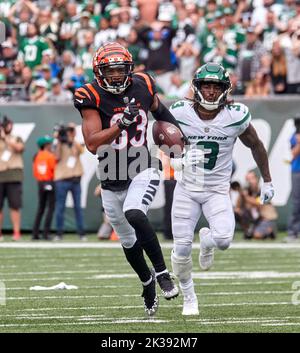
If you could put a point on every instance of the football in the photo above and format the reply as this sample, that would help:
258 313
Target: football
168 138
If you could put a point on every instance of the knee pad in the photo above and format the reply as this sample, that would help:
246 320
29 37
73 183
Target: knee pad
223 243
182 267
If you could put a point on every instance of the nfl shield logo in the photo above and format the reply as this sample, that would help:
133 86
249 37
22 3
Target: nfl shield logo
206 129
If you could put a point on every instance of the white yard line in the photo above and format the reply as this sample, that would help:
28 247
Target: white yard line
138 295
267 322
218 275
110 245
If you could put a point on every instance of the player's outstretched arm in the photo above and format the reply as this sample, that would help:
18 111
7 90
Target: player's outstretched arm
93 135
250 139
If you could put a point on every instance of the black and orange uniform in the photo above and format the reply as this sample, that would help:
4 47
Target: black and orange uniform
43 170
129 176
132 142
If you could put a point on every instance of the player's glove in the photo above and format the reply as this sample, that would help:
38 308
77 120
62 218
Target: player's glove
267 193
192 157
130 113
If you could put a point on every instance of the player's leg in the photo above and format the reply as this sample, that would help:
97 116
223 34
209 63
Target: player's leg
219 213
141 193
113 206
185 215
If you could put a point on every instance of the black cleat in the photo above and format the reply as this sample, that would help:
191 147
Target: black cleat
168 287
150 297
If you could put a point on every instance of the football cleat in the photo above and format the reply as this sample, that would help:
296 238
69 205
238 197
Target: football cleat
206 256
190 306
150 297
168 287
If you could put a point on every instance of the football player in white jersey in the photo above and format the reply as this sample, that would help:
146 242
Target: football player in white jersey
212 124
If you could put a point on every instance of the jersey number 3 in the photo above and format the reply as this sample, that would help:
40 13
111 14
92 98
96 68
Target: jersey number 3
212 155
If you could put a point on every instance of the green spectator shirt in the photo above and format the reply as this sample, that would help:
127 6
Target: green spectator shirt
31 51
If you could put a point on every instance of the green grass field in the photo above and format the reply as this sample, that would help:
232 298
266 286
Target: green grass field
249 289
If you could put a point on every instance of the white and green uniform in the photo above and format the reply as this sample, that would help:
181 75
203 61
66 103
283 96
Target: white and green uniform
216 137
205 188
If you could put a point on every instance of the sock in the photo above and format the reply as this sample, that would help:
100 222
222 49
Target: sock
147 238
135 257
187 288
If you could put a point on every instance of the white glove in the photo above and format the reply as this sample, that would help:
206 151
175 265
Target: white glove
192 157
267 193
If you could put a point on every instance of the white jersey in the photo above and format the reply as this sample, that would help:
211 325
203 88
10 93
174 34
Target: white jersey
216 138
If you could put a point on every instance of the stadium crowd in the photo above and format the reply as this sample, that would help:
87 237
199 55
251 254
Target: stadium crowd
49 44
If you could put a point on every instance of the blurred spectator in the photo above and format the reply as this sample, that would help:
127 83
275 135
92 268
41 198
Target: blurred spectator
263 216
148 11
21 14
85 55
86 26
241 213
57 93
8 55
293 64
49 58
105 33
76 80
69 28
278 69
15 74
260 86
293 227
158 38
178 88
269 32
249 59
67 177
26 81
68 66
39 91
137 50
47 26
46 73
32 47
11 175
43 170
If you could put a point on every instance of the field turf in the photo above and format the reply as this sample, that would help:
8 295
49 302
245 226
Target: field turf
253 287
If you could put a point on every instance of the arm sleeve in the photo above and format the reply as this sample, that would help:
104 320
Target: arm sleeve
162 113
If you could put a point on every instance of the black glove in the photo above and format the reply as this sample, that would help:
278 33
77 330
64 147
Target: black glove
129 116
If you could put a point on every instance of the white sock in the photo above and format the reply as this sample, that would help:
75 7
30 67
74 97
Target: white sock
187 288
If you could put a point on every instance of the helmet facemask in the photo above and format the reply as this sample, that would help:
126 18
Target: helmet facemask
113 67
114 77
206 104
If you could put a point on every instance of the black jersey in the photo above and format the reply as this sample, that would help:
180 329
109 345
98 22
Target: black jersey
116 167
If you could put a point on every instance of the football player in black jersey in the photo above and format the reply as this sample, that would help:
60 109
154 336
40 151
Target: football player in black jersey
114 109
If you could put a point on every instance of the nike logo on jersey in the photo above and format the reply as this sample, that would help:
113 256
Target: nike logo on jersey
79 100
